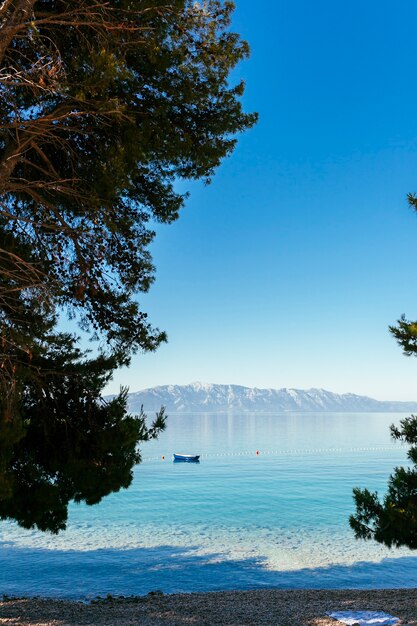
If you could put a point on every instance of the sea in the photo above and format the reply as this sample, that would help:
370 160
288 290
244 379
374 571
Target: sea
267 506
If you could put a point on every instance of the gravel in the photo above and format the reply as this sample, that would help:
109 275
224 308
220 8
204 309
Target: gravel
297 607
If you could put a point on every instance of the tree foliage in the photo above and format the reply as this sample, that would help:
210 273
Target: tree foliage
104 106
393 520
68 443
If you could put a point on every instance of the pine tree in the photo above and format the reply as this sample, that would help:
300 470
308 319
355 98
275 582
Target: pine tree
63 442
393 520
104 106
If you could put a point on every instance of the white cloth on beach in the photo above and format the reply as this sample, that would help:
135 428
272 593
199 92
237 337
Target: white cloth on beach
364 618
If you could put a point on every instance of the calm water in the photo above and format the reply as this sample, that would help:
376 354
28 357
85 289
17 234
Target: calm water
237 520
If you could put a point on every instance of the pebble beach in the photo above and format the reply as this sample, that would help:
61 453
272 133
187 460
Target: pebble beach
237 608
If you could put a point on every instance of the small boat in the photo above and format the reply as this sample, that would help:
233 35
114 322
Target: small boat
188 458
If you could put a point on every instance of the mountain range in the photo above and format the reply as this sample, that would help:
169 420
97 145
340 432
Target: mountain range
207 397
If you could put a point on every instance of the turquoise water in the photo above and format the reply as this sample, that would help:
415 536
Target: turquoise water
237 520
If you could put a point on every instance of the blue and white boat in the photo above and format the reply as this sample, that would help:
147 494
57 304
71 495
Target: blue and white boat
188 458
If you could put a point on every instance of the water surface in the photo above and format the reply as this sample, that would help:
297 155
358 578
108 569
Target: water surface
236 520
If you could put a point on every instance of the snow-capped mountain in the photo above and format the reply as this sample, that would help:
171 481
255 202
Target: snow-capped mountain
206 397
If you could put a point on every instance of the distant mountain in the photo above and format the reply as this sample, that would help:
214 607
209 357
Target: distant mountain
205 397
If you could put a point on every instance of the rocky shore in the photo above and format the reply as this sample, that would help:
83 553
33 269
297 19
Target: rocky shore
232 608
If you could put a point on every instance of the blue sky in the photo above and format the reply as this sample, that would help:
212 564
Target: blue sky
287 270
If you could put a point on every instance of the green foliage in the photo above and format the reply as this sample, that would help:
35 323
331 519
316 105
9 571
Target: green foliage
393 520
106 106
103 108
67 444
406 335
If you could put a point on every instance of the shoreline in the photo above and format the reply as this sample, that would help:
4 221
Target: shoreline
296 607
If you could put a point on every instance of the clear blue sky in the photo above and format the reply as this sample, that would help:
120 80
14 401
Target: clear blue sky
288 268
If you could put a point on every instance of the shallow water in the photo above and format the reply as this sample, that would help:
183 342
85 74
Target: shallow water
236 520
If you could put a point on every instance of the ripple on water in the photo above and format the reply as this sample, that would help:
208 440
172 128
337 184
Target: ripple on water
237 522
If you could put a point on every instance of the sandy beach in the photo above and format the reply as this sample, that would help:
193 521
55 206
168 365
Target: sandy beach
272 607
